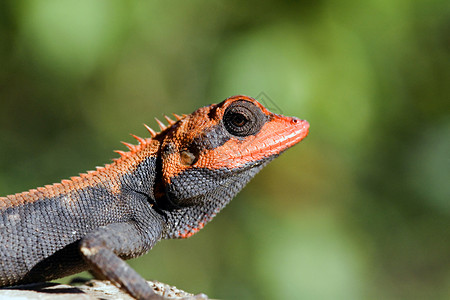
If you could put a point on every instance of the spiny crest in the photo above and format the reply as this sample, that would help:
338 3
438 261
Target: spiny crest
169 120
178 117
139 139
161 124
130 146
152 132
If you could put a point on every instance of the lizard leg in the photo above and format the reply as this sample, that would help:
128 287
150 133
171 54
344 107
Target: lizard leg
102 249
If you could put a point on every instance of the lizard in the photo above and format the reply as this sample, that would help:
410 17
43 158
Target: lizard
166 186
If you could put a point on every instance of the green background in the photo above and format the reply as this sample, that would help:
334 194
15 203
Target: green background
358 210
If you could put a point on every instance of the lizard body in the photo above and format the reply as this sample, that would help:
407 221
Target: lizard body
167 186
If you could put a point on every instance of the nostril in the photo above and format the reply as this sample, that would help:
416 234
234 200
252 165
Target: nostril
300 122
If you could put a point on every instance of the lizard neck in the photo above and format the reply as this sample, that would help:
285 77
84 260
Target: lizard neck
183 222
137 170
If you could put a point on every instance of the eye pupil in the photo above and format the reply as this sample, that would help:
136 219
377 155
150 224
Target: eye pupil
238 120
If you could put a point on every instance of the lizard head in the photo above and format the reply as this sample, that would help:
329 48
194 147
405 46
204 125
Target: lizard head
207 157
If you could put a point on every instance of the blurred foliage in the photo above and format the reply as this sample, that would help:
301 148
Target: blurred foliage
359 210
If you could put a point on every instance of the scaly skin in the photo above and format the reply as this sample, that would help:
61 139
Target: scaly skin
167 186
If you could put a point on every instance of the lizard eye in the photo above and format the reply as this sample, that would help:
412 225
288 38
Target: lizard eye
243 118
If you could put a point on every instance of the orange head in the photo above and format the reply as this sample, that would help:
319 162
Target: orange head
209 155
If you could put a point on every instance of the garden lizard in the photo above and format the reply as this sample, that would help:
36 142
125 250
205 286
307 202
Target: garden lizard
167 186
